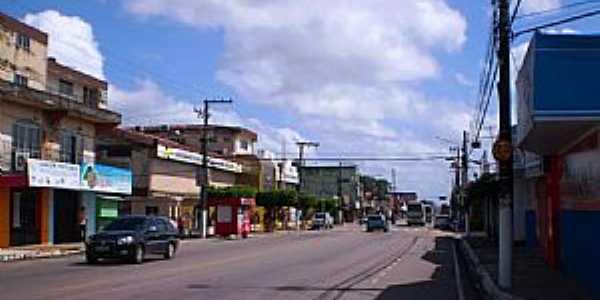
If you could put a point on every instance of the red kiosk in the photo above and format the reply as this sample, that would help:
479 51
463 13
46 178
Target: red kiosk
233 215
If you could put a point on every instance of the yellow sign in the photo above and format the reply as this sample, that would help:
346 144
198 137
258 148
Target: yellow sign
502 150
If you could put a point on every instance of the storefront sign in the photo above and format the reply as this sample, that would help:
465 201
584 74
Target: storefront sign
107 179
288 173
43 173
196 158
581 176
109 212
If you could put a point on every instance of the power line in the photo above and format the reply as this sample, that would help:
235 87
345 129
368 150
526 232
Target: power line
559 22
552 10
516 11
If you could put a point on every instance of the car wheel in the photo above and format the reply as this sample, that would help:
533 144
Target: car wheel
138 255
90 258
170 251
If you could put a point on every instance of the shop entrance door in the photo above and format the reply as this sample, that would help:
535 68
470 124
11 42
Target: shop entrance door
24 222
66 213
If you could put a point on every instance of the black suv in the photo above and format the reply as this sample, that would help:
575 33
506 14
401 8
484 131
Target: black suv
133 237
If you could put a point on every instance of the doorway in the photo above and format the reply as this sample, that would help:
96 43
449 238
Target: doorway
24 221
66 213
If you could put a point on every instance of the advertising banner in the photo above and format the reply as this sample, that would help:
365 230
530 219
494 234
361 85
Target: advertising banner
185 156
107 179
43 173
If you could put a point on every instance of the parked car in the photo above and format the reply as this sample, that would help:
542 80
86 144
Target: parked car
132 238
322 220
377 222
442 222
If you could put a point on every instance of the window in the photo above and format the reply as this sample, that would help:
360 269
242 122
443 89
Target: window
65 87
71 148
244 145
23 42
27 138
21 80
161 225
91 96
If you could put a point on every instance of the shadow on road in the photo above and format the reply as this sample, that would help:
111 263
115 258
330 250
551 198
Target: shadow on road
442 284
112 262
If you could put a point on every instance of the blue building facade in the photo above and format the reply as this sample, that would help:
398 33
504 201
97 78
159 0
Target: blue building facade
559 120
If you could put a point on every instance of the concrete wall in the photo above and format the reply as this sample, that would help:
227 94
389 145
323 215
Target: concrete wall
172 177
31 64
579 258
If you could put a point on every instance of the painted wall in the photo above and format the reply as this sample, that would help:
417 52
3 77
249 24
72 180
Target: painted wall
579 247
31 64
4 217
173 177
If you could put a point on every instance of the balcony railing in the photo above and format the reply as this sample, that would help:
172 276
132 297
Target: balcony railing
57 102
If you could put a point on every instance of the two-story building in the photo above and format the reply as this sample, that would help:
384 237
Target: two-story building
46 137
333 182
229 142
165 173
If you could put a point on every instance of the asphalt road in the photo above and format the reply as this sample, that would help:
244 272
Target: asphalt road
345 263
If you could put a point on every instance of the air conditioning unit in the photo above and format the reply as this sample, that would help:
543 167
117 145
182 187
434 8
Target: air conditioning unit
21 161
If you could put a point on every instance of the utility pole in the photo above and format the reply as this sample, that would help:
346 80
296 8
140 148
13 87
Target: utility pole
204 173
503 149
340 195
465 181
301 146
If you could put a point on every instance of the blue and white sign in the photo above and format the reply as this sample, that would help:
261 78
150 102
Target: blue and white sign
44 173
107 179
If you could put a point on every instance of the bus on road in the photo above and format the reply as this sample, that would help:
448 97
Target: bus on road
415 214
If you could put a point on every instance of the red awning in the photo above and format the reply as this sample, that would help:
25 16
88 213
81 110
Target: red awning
13 181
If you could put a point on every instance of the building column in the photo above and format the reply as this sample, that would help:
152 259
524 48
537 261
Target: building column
46 219
4 217
88 200
50 199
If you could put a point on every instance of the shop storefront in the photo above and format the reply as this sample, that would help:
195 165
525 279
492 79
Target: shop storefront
54 202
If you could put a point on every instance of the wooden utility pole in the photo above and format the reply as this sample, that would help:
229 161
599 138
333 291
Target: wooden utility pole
203 173
503 148
301 146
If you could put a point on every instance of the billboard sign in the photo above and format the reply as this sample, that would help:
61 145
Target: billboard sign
107 179
44 173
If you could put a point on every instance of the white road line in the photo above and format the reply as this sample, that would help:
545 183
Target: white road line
459 286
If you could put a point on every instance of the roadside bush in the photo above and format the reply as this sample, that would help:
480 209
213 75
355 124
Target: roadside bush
232 192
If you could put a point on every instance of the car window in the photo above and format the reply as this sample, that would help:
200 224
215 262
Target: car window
161 225
126 224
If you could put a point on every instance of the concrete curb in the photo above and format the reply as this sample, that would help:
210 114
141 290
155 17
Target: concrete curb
486 284
33 255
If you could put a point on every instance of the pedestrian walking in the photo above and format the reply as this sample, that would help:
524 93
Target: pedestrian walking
82 223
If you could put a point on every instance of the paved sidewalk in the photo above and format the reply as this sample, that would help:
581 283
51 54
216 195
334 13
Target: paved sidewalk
39 251
532 278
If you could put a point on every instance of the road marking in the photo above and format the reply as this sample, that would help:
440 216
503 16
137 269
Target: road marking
459 286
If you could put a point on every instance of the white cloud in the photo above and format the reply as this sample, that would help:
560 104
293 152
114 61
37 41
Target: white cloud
463 80
348 70
70 40
335 59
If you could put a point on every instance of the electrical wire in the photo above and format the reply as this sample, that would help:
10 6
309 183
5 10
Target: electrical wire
559 22
557 9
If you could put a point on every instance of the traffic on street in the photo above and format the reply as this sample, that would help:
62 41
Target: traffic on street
345 263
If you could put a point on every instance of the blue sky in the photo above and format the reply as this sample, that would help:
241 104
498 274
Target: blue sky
365 78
